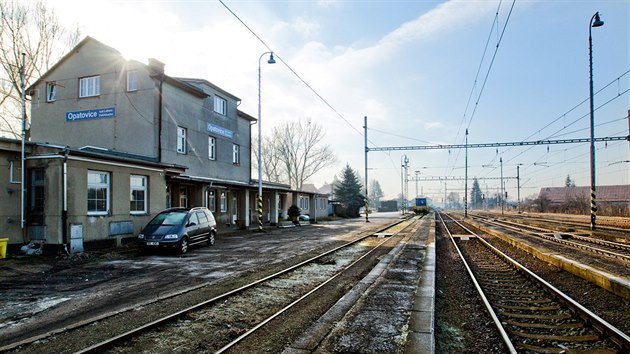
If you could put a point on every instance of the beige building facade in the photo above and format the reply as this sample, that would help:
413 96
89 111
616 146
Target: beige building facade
114 141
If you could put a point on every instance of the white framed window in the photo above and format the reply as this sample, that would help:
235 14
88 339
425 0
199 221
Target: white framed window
183 197
304 203
98 193
90 86
132 80
138 194
51 92
212 200
223 201
220 105
236 154
181 140
212 148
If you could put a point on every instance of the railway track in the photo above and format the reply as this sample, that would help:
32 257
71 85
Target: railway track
611 249
571 224
207 322
530 314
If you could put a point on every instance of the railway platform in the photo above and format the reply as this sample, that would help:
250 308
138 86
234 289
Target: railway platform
398 293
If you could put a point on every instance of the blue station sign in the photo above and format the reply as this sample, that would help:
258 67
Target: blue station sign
220 130
88 114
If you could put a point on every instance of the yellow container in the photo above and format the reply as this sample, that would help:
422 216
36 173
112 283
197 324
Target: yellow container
3 247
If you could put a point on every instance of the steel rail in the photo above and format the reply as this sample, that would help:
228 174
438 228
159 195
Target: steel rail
540 233
573 222
504 336
297 301
98 347
616 335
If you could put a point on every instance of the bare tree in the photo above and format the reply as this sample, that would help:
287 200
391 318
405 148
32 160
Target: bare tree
297 145
272 167
29 28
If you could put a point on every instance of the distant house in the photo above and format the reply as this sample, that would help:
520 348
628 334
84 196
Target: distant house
388 205
611 200
315 203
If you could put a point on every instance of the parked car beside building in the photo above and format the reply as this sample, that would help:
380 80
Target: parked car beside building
178 228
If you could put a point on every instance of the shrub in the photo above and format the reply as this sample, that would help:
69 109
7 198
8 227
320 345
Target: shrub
293 211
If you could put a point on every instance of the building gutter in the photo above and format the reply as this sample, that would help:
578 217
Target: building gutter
64 212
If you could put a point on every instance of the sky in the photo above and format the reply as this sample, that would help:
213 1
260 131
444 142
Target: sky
422 72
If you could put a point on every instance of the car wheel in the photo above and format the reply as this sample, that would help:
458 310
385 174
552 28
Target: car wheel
183 245
210 241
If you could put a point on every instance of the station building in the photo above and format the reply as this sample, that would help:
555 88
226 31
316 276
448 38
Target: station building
115 141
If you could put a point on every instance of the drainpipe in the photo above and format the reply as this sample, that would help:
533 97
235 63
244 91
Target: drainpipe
159 156
23 180
64 212
156 68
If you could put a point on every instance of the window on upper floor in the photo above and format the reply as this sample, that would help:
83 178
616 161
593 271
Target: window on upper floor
181 140
212 148
220 105
236 152
90 86
51 92
132 80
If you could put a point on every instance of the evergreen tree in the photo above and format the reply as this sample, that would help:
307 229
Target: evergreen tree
375 195
568 182
476 198
348 192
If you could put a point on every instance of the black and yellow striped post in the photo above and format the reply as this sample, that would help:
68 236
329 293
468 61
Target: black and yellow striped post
593 208
260 211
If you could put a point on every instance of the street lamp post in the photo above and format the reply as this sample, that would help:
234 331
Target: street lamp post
404 161
595 22
259 201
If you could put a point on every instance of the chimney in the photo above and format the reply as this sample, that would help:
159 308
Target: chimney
156 67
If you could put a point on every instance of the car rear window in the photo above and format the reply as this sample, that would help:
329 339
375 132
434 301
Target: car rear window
202 217
169 218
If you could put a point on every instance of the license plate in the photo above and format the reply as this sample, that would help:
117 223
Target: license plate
153 243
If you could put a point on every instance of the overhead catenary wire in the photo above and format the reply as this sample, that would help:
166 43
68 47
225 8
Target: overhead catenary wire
317 94
496 50
278 57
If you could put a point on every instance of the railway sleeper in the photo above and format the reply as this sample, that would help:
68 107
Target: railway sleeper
561 316
555 337
526 300
529 308
564 349
569 325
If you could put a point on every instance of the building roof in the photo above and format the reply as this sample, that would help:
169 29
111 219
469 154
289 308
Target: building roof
310 188
68 55
614 193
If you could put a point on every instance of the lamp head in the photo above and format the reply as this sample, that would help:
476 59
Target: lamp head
597 22
273 61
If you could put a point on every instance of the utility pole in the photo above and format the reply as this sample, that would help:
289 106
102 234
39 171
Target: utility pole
518 188
367 200
466 180
502 191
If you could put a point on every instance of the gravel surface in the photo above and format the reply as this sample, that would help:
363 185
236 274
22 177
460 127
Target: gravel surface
462 323
42 294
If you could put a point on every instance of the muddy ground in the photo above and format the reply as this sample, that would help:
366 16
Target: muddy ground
41 294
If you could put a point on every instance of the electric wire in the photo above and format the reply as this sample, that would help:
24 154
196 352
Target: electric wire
291 69
317 94
487 71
